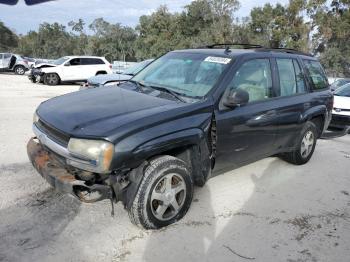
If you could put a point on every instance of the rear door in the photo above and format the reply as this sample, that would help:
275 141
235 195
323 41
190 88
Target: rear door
91 66
293 99
247 133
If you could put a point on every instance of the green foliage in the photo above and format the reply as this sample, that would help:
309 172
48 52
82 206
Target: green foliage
8 39
318 26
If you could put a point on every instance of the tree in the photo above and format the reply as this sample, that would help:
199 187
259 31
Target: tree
331 21
8 39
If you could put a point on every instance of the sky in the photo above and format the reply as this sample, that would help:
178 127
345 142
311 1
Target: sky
22 18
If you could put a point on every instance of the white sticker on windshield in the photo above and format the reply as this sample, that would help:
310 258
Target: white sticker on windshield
219 60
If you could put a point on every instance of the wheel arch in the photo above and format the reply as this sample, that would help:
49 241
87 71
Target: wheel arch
317 115
101 72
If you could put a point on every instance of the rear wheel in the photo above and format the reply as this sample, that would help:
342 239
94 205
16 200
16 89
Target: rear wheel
51 79
305 147
20 70
164 195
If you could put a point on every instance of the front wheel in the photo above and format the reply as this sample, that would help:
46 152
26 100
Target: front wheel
51 79
165 194
305 146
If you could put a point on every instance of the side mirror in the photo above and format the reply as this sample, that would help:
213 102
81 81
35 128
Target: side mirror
67 64
236 97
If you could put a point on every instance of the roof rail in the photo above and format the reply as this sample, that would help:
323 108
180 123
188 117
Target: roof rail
244 45
258 47
285 50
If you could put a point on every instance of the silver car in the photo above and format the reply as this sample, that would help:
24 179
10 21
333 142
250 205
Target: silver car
13 63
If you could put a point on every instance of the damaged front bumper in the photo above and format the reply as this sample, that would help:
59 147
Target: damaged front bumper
57 175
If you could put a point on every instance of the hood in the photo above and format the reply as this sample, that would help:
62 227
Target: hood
99 112
102 79
43 65
342 102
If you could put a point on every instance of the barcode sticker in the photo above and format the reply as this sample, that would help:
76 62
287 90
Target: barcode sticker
219 60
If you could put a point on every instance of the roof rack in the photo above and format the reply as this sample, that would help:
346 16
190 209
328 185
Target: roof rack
285 50
227 45
258 47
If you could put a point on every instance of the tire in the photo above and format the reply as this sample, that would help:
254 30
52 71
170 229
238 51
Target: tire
305 146
51 79
19 70
154 204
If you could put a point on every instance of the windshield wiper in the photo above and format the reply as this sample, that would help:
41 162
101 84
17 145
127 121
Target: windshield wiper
138 84
166 90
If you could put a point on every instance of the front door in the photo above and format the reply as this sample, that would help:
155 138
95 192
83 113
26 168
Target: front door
72 70
248 132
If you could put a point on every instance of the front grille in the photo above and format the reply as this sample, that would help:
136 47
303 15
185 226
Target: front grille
54 134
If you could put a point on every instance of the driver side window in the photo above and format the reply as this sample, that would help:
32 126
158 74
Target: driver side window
254 77
74 62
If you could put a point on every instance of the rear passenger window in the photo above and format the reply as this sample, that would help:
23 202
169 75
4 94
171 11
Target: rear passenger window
92 61
254 76
317 75
291 77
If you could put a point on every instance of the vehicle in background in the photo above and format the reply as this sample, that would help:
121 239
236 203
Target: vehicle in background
341 108
13 63
338 83
115 79
31 61
188 116
118 67
70 69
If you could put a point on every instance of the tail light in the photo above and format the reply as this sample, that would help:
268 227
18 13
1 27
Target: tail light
110 66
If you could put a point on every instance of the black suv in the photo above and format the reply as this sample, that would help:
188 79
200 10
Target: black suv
188 115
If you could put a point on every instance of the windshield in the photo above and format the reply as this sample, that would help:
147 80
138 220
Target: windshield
343 91
133 70
192 75
340 83
60 61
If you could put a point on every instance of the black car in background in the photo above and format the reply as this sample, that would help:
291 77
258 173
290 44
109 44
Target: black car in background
189 115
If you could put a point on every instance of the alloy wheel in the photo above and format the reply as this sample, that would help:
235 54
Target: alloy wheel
20 71
307 144
168 197
52 79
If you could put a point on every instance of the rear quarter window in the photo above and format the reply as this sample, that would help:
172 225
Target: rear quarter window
317 75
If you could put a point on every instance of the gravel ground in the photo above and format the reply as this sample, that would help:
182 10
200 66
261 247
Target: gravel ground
266 211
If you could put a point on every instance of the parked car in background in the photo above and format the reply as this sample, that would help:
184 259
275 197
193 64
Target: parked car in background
70 69
31 61
338 83
341 109
115 79
187 116
118 67
13 63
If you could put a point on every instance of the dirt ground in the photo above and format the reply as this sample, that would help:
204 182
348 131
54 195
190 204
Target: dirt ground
267 211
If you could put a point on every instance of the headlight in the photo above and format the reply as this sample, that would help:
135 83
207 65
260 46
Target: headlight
96 152
35 117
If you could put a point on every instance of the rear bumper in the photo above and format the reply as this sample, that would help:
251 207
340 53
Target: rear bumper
56 174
